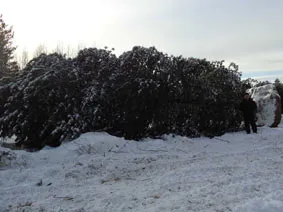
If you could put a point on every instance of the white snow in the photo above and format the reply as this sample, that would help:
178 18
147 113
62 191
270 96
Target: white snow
265 97
101 173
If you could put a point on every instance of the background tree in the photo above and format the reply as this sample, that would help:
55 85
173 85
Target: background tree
69 51
40 49
279 87
261 83
23 59
7 65
59 49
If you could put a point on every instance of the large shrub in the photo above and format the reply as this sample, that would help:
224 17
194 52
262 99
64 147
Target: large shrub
142 93
43 99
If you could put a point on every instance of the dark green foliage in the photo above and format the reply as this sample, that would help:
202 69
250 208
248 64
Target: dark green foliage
97 67
44 98
142 93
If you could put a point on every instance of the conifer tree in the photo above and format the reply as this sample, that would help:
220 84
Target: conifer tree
7 65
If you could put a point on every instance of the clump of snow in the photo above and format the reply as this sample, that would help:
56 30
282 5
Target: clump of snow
99 172
265 97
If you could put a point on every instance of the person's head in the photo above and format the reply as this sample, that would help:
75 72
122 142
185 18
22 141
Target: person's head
246 96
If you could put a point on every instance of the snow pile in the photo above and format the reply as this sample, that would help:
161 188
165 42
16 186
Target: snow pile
269 105
98 172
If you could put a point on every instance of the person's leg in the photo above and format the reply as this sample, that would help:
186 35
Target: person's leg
254 126
247 126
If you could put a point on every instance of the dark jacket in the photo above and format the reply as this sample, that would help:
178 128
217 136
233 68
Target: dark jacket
249 108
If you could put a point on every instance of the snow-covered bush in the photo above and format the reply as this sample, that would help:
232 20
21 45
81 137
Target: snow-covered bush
153 93
142 93
97 66
43 101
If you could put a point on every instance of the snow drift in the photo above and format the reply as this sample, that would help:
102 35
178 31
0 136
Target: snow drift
99 172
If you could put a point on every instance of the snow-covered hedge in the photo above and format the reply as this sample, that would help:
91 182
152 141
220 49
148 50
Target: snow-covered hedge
142 93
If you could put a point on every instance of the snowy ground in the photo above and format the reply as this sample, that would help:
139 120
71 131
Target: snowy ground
101 173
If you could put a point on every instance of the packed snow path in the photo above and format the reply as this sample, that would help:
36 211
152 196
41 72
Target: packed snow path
101 173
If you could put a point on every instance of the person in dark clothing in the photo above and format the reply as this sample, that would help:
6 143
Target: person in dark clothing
249 109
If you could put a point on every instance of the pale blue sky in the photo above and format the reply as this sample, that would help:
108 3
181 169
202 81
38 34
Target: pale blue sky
247 32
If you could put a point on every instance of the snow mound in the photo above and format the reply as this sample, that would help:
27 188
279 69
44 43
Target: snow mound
99 172
269 105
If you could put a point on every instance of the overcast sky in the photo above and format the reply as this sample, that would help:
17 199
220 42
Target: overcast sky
247 32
